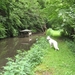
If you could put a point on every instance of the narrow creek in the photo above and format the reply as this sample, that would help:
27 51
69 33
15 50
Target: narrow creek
9 46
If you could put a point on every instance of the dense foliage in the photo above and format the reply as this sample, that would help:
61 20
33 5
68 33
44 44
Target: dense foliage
19 14
16 15
60 15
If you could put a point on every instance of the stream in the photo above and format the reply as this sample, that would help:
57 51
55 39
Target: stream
9 46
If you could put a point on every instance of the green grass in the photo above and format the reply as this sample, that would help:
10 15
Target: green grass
60 62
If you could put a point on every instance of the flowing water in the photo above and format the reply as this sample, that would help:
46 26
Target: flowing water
9 46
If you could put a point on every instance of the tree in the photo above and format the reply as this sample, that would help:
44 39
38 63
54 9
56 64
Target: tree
21 14
60 14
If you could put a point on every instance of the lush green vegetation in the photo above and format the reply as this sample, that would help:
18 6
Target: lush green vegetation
19 14
16 15
41 59
36 15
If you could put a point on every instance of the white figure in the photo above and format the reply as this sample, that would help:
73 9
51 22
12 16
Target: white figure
52 42
30 33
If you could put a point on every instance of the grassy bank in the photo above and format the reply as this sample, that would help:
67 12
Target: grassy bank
42 60
25 61
60 62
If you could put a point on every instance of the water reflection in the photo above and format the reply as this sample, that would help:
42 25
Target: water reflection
9 46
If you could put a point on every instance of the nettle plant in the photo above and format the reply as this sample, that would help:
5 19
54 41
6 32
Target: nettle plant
24 62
